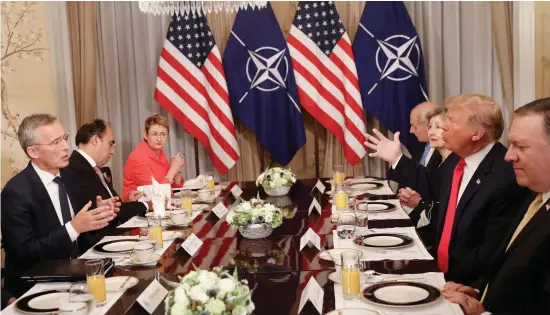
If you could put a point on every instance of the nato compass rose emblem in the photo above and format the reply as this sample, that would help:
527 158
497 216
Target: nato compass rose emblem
397 58
266 69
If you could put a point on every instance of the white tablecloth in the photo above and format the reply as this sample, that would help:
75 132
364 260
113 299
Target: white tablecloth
440 307
122 260
112 297
141 222
416 251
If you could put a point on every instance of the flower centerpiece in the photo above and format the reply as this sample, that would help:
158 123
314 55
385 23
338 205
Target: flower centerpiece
255 218
213 292
276 181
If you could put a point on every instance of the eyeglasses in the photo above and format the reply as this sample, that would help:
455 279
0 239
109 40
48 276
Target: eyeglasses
158 134
57 141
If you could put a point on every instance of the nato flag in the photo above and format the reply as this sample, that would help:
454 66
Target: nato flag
390 65
261 83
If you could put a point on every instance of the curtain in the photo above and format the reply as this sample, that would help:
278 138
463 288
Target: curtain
460 57
83 43
62 80
502 14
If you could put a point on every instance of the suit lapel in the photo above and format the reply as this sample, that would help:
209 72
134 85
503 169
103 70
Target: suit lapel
540 218
43 197
475 182
85 166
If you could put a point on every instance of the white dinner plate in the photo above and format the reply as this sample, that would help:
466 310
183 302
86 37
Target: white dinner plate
401 294
116 246
114 284
44 302
353 311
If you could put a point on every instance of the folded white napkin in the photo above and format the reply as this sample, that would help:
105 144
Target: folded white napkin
195 183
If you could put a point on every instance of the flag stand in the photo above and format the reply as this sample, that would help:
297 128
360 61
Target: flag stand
197 168
316 148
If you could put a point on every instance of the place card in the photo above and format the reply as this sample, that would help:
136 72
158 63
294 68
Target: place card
236 191
152 296
191 244
310 238
314 205
320 186
220 210
314 293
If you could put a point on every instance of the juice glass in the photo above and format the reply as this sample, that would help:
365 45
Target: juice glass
351 275
338 174
210 181
95 279
340 197
155 230
186 201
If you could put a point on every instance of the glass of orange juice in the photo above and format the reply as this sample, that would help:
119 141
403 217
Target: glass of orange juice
186 200
340 197
95 278
338 175
155 229
210 181
351 275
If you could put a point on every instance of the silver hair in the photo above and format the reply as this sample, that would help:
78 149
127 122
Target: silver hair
27 130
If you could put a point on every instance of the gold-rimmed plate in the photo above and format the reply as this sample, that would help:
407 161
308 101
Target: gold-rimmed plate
401 294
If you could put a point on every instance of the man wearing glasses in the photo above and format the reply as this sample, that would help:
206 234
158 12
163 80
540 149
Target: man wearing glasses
40 219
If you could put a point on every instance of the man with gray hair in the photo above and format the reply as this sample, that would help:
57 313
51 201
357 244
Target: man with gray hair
477 186
39 221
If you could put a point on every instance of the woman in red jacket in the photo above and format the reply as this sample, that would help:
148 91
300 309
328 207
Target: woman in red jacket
149 160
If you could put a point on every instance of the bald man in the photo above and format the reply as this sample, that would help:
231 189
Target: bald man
422 155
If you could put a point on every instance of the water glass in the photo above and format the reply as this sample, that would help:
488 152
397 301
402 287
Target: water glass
155 229
78 292
66 307
338 175
362 217
351 275
345 226
95 278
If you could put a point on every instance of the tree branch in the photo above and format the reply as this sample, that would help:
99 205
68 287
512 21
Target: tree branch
23 50
14 26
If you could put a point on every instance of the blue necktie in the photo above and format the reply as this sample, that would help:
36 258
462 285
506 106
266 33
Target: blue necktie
425 154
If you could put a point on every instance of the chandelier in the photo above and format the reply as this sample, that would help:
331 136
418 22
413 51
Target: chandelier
196 7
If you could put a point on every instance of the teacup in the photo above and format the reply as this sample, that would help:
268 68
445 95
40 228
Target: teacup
143 251
180 217
208 195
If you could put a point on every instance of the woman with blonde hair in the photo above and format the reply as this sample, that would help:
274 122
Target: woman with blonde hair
148 159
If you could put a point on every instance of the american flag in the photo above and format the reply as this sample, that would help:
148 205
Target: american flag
191 86
326 75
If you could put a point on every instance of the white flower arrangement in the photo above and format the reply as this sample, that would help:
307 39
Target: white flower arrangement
276 177
213 292
255 211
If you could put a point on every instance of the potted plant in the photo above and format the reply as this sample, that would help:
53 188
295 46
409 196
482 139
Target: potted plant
255 218
276 181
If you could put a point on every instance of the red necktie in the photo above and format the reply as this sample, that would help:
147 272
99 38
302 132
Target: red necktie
443 249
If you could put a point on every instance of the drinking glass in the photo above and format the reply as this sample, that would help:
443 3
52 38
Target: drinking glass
186 200
345 226
155 229
66 307
95 278
78 292
340 197
210 181
338 174
361 217
351 275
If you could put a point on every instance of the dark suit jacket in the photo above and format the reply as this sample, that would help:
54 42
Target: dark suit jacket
483 215
520 282
419 184
31 231
90 186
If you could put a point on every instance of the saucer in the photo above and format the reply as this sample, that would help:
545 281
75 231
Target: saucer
134 262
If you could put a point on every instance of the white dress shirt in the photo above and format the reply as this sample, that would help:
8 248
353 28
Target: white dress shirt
472 163
93 164
53 190
429 156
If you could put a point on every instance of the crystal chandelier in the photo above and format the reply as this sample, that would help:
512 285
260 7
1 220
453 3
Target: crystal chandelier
196 7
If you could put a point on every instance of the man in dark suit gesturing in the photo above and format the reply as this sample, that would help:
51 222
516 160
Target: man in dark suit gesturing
40 219
96 145
477 186
519 283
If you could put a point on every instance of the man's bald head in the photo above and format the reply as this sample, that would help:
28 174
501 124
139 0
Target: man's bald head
419 122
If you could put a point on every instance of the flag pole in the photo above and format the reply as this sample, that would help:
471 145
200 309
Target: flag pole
317 173
197 169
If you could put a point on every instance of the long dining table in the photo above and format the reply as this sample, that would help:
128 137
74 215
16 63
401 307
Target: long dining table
274 265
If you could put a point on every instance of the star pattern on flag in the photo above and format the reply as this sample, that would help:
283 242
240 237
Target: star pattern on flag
192 36
322 26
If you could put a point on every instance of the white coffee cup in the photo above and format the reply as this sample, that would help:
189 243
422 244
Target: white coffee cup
143 251
180 217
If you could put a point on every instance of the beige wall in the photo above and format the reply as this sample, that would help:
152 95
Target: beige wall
542 49
28 87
